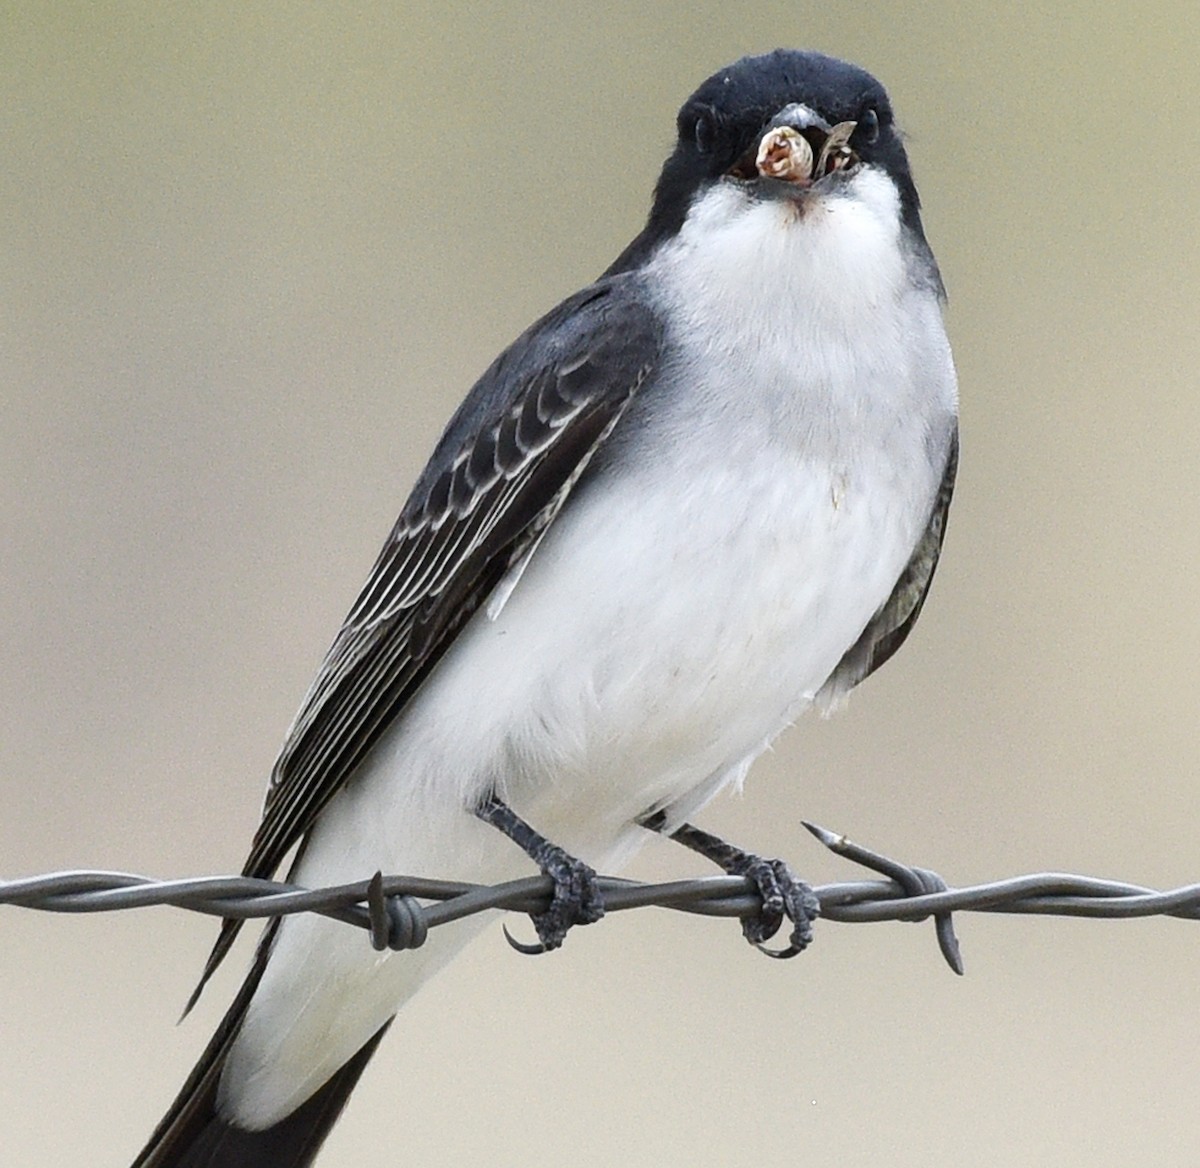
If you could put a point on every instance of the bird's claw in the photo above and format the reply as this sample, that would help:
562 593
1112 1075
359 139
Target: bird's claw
784 896
576 901
530 950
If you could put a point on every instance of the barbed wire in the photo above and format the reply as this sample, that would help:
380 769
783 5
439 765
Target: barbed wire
390 908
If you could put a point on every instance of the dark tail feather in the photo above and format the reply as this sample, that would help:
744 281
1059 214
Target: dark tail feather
224 942
192 1135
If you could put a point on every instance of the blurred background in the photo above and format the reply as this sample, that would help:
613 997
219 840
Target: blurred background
251 256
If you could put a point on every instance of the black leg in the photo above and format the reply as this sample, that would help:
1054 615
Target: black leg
576 901
784 895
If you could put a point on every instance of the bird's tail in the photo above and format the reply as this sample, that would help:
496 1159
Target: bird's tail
193 1135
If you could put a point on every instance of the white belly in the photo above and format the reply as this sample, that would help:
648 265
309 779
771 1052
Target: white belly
671 628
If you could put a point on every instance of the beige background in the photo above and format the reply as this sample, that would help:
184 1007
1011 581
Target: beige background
251 256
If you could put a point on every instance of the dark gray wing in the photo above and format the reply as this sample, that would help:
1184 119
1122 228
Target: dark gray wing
497 478
894 621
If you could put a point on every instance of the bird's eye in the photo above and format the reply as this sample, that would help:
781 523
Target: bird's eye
868 127
704 133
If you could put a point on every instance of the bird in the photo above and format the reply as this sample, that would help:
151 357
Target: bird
701 496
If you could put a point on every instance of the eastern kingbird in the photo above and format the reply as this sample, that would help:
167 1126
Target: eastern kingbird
701 495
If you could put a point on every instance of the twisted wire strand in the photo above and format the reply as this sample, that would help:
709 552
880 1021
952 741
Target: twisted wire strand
399 911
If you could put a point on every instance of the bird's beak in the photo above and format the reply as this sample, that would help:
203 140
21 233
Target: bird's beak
799 147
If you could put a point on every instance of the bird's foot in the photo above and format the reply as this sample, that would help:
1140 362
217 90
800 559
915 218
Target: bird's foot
784 896
576 898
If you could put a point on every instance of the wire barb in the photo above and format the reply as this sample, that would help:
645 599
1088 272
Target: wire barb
398 911
396 922
912 881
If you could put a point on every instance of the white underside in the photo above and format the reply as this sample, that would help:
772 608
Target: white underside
675 618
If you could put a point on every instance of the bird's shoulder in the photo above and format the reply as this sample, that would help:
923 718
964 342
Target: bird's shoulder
588 349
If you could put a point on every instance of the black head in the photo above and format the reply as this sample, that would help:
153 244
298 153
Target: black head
726 117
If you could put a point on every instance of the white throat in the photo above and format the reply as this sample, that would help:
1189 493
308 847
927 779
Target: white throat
832 257
817 317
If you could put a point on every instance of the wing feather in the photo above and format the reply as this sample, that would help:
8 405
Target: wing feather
502 470
894 621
